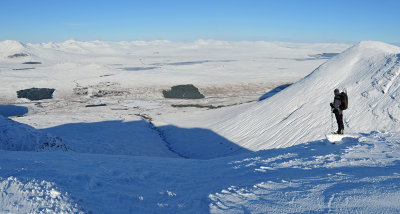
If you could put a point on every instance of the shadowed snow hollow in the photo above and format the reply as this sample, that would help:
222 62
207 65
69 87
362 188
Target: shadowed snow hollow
301 113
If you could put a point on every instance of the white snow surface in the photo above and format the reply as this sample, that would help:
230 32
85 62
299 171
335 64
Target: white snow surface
137 66
137 154
356 176
369 71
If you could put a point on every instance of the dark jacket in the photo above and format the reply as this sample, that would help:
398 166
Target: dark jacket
336 103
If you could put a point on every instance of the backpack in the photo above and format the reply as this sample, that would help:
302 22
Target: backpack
344 100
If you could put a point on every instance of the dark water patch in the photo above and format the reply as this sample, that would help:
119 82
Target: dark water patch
189 62
307 59
196 62
138 68
318 56
96 105
324 55
12 110
274 91
36 93
183 92
206 106
32 63
17 55
197 106
22 69
107 75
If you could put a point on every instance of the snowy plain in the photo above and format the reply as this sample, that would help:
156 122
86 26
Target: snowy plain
138 154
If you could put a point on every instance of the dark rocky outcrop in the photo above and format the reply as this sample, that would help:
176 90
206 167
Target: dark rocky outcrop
17 55
36 93
183 92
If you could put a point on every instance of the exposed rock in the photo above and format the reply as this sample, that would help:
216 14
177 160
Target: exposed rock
81 91
105 93
36 93
17 55
102 89
183 92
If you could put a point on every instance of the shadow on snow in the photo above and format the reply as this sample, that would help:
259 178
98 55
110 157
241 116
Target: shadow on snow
12 110
273 92
141 138
309 177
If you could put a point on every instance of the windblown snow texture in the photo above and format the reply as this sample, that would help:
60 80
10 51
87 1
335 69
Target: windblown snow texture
301 113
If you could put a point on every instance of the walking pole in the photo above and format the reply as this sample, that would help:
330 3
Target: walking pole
331 122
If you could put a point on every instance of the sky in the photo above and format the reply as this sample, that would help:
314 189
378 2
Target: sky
310 21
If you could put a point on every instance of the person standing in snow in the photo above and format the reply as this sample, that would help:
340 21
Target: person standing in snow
338 111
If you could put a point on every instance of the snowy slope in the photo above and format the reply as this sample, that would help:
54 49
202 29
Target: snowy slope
10 47
301 113
359 175
15 136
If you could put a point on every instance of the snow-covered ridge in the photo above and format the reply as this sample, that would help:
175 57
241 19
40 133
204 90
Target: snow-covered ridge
301 113
15 136
11 45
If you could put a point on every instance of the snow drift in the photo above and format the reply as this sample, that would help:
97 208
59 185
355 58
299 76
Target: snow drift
301 113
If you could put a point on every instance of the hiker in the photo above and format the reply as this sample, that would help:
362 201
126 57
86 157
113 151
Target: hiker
337 110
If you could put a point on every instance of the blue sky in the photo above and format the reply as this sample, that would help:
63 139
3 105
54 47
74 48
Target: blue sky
177 20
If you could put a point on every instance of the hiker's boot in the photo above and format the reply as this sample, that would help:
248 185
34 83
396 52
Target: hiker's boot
339 132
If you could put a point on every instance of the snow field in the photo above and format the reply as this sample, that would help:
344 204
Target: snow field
205 64
358 175
139 155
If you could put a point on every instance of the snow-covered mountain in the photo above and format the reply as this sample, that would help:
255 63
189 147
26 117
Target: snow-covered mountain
10 46
369 71
127 152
